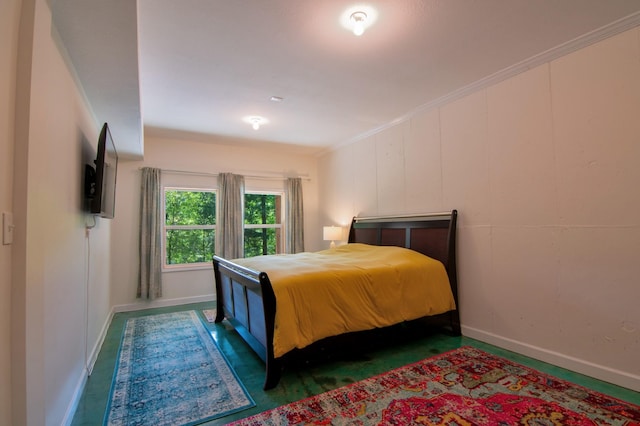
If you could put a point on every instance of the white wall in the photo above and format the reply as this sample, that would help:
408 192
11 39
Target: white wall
57 310
543 168
9 20
205 157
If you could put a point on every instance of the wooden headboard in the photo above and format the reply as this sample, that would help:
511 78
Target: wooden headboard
432 234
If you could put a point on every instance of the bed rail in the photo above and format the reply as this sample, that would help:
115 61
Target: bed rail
408 217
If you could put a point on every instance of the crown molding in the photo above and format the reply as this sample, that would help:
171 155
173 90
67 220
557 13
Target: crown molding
621 25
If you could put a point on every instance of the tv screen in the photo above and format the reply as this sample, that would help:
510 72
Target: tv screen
101 188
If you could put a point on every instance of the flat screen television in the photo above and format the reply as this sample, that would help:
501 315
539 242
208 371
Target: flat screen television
100 181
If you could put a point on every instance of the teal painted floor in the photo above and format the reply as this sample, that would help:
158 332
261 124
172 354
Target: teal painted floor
310 373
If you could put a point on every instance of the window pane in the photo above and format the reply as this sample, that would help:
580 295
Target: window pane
190 245
190 207
261 241
262 209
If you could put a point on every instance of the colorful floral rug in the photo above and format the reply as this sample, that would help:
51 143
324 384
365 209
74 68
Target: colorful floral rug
170 372
463 387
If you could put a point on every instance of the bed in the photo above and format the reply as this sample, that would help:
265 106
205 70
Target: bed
247 292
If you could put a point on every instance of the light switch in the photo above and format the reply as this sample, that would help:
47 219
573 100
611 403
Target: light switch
7 228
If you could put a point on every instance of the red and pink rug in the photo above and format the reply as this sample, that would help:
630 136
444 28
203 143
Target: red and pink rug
463 387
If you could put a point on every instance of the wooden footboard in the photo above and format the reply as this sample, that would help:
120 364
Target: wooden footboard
247 300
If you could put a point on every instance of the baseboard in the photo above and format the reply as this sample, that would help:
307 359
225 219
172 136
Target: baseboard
607 374
93 356
161 303
73 406
90 362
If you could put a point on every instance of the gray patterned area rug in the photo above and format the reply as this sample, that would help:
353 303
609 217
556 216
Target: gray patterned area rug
171 372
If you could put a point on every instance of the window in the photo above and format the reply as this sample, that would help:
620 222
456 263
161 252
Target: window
263 224
190 226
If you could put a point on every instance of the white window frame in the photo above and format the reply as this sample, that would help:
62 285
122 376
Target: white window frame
183 266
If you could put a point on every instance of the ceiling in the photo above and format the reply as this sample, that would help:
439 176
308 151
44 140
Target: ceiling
196 68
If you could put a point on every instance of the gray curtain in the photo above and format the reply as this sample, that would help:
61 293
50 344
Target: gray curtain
294 216
150 277
230 225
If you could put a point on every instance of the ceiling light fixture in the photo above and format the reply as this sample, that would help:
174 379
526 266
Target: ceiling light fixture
359 21
358 18
256 121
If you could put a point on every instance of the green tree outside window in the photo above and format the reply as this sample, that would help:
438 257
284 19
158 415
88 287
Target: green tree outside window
190 219
263 225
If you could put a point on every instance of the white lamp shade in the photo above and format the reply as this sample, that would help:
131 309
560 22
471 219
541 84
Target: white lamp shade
332 233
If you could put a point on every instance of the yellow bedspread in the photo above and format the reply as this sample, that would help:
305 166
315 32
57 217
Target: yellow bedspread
353 287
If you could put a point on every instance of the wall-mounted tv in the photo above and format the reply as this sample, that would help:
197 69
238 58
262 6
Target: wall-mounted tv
100 181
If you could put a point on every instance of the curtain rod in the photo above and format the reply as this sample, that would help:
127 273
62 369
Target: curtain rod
186 172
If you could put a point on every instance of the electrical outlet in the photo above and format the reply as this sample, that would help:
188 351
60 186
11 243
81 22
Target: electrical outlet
7 228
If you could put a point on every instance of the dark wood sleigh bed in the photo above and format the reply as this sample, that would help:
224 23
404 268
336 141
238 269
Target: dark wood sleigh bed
247 300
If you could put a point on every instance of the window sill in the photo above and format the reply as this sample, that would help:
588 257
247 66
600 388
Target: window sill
185 268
